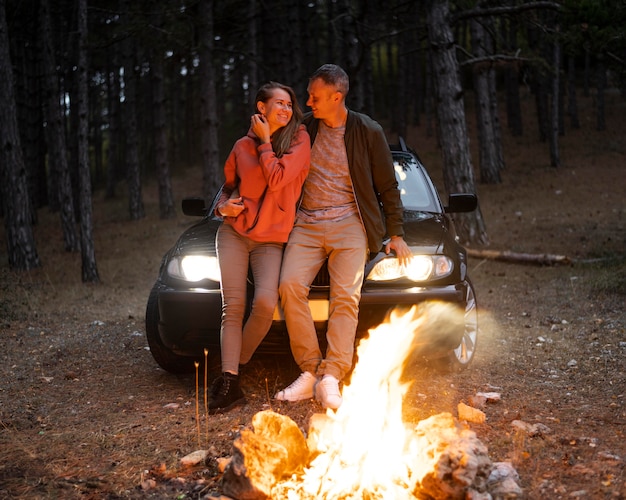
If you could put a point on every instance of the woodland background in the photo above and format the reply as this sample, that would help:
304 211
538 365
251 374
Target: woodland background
104 94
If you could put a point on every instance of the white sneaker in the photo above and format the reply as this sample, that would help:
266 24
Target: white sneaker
301 388
327 392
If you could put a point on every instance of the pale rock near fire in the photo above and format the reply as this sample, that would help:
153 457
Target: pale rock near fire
470 414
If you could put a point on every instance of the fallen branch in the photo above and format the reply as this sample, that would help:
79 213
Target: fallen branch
525 258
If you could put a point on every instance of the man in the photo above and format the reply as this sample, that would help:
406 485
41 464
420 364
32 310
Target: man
339 218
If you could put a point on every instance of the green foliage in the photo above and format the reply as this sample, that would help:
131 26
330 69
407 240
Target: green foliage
594 25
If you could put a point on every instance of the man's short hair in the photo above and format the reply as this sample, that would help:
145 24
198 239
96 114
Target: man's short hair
333 75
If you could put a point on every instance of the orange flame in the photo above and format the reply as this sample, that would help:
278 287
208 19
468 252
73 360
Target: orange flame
364 449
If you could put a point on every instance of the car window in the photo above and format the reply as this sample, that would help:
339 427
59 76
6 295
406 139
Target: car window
415 189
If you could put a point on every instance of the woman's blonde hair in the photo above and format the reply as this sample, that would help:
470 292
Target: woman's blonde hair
282 138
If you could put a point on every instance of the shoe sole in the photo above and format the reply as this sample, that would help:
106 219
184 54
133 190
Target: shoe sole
293 400
319 398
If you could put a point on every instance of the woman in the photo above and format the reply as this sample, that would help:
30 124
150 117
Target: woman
264 174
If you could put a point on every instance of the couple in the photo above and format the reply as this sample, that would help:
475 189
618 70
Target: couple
337 163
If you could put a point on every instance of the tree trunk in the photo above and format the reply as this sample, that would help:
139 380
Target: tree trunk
21 248
96 110
586 70
601 87
572 104
402 101
55 134
539 84
25 50
166 199
511 81
457 164
89 268
133 174
114 148
208 103
488 141
253 37
555 157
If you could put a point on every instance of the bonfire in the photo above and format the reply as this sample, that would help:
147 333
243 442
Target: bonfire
364 450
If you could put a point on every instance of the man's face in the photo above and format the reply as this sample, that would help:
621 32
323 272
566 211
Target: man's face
324 100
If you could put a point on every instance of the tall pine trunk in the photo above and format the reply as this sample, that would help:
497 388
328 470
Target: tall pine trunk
457 163
133 173
511 78
114 151
166 199
555 155
601 88
208 103
488 141
55 134
14 183
25 50
572 103
89 268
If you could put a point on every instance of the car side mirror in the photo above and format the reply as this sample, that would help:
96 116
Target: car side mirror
461 202
194 207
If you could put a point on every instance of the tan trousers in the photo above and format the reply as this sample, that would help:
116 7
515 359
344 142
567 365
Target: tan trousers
235 253
344 244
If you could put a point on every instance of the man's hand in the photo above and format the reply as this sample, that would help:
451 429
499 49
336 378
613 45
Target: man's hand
399 246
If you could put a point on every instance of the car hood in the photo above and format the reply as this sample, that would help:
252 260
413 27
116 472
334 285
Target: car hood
424 229
198 238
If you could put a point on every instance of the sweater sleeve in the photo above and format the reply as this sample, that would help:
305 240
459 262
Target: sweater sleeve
231 181
280 172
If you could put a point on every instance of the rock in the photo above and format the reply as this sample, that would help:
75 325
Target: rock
256 465
276 448
148 484
194 458
222 463
477 401
503 482
282 430
462 461
470 414
491 397
532 430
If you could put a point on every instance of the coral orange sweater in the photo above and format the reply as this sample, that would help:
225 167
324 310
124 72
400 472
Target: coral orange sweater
255 169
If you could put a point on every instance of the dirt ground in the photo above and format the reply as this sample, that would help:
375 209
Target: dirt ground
85 412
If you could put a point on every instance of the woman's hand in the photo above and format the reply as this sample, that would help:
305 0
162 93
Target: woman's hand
231 207
261 128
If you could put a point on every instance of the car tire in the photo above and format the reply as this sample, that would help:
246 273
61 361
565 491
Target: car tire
461 356
165 358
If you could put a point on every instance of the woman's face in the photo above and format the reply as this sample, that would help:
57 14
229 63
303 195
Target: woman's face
277 109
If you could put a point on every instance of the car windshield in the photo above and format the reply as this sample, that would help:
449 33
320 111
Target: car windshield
415 189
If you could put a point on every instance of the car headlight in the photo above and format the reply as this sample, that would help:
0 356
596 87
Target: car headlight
194 268
419 268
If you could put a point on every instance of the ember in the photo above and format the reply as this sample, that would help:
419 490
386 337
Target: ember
364 449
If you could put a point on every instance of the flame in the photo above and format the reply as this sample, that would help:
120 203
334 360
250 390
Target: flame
364 449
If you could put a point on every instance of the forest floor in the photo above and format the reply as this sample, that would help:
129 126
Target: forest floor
85 412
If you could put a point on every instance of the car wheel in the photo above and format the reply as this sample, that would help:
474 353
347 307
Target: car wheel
461 356
165 358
